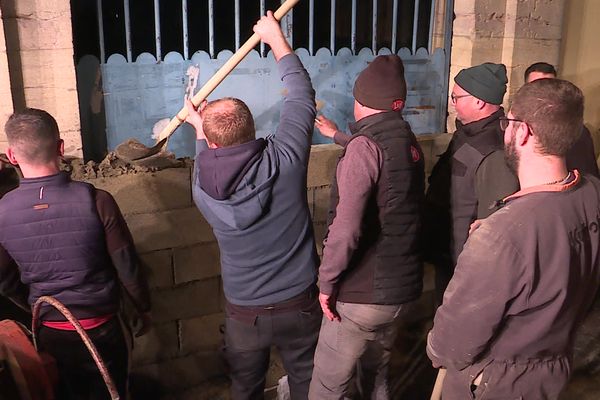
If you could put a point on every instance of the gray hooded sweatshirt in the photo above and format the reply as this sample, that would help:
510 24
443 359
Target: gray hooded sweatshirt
254 197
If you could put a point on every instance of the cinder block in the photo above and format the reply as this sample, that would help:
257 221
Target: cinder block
196 262
184 372
193 299
160 343
158 267
163 190
310 198
428 277
322 201
202 333
321 167
169 229
320 229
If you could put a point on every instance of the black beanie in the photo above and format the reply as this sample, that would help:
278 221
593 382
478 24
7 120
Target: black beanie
486 82
381 85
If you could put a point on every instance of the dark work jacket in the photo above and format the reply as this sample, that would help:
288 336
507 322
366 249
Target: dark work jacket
52 230
581 155
451 200
387 268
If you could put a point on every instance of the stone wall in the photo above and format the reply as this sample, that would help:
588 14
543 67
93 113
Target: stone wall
181 259
513 32
39 49
6 105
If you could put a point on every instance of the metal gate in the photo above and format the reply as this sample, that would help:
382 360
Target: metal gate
136 93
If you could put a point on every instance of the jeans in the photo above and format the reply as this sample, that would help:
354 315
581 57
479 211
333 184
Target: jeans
294 332
356 348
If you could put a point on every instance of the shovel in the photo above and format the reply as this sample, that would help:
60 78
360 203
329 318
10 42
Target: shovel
132 150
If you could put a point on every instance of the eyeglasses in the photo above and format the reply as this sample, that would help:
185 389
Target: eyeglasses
454 97
504 122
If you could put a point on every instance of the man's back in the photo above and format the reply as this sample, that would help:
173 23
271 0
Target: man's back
263 223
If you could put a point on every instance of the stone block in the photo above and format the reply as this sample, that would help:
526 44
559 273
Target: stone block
183 372
323 160
167 189
193 299
160 343
37 8
54 32
169 229
196 262
202 333
158 267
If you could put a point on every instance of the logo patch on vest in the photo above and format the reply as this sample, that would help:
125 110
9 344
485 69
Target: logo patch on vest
416 156
396 105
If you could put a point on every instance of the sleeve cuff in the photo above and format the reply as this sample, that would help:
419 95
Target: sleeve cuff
341 138
326 287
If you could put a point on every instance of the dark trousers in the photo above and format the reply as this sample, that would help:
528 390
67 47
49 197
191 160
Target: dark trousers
79 376
292 327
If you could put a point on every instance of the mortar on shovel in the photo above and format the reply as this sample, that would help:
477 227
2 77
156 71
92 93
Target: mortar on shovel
137 153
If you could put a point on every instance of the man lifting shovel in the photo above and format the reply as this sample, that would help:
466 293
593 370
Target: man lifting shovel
253 194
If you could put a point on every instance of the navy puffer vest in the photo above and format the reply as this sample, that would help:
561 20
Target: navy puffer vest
51 228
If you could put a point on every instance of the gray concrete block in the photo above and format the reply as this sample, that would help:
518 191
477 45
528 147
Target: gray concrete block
322 199
320 229
202 333
183 372
160 343
196 262
158 268
167 189
190 300
321 167
169 229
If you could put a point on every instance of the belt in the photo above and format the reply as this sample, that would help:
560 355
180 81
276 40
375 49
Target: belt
248 314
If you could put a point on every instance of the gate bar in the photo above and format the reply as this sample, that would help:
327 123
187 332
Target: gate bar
101 31
186 38
374 27
127 30
157 29
394 25
415 26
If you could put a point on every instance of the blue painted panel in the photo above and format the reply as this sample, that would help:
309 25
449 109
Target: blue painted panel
139 94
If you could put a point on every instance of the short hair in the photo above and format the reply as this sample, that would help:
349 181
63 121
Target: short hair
553 108
542 67
33 134
228 122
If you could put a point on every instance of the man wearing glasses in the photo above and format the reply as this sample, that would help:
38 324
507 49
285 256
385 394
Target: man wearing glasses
529 273
472 174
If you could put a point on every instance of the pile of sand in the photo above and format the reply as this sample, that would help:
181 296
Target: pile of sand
113 166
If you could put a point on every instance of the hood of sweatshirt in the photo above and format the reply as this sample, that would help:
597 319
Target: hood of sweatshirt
234 182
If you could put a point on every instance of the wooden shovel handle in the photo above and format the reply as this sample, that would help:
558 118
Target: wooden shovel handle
218 77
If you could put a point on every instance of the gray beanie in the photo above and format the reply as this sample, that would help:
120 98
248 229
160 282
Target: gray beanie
486 82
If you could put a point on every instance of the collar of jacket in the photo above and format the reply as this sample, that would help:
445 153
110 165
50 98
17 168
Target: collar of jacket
473 128
557 187
365 122
56 179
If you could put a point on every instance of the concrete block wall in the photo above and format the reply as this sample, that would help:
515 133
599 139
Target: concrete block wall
39 50
181 259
